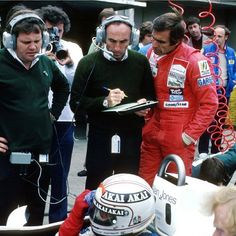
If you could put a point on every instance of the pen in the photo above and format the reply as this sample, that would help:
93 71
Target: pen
108 89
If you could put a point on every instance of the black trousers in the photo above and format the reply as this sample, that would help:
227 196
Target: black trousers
203 145
101 163
18 187
81 124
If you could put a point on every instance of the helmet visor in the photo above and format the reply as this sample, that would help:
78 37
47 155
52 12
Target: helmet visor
102 218
107 215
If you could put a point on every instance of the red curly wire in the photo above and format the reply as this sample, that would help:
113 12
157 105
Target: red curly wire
177 7
222 138
205 14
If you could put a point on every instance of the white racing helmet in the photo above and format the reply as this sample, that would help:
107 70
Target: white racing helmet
123 204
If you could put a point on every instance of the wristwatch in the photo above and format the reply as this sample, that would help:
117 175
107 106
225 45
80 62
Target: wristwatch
105 103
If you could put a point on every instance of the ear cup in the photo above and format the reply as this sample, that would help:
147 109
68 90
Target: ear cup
101 30
45 39
8 40
134 37
99 34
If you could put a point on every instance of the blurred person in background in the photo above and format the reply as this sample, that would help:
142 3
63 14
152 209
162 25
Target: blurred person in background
196 37
66 55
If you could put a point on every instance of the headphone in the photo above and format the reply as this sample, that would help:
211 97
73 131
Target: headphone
101 30
9 39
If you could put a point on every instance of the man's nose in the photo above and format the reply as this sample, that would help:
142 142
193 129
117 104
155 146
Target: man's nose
33 45
117 46
155 43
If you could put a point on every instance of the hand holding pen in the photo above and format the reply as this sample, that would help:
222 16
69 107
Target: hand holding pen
115 96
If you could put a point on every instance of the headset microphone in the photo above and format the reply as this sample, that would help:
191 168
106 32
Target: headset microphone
110 54
39 54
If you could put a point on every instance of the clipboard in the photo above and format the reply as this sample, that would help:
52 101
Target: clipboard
131 107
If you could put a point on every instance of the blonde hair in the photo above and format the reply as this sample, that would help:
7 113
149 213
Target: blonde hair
226 195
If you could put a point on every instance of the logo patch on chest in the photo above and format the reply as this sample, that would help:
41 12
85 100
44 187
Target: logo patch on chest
172 104
177 74
204 68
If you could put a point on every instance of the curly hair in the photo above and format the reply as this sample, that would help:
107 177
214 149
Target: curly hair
55 15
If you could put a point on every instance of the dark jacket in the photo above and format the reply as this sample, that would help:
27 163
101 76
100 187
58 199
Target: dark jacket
25 119
94 72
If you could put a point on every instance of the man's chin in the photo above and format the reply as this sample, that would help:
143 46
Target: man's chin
31 57
117 57
157 52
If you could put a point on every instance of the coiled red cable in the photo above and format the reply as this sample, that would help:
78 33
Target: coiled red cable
176 6
221 137
208 13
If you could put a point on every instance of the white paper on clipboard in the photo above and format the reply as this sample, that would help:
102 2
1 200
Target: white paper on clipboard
131 107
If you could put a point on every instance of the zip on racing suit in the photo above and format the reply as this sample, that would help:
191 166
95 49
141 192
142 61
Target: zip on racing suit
187 97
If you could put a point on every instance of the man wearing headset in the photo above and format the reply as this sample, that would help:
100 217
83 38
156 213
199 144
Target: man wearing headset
111 76
26 120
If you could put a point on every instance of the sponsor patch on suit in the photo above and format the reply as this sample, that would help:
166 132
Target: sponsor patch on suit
204 81
177 73
172 104
204 68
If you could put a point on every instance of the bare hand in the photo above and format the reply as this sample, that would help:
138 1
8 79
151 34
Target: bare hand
3 145
144 112
65 61
51 55
115 97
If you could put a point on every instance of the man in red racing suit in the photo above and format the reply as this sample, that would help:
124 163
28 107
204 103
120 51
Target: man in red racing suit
186 92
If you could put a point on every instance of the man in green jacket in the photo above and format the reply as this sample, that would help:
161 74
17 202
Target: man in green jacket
26 120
